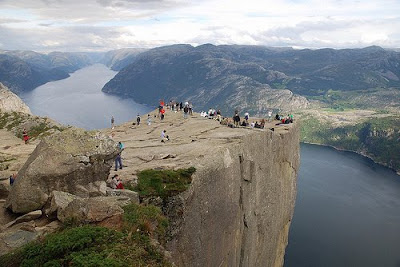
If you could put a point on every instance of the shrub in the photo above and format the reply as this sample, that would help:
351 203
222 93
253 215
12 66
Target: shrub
164 183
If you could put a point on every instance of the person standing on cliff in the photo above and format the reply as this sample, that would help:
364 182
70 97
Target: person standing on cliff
112 122
138 119
148 119
236 118
118 160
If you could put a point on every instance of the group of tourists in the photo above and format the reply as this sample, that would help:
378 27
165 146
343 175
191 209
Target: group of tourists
180 106
284 119
236 121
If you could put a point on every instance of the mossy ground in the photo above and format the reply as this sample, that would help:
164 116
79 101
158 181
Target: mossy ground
163 183
38 127
98 246
91 245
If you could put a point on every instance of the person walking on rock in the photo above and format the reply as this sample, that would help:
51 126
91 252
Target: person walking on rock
112 122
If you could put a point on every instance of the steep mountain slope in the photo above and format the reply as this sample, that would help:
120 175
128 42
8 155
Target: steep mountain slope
120 58
25 70
206 75
246 76
19 76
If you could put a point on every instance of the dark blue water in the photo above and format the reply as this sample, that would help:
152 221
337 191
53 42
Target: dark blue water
347 211
79 101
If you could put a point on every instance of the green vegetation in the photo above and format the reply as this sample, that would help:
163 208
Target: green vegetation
35 126
98 246
4 119
4 162
378 137
164 183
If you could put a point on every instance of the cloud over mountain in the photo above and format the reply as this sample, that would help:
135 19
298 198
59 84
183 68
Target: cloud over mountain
74 25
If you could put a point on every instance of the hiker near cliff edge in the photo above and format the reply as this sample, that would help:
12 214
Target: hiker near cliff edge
112 122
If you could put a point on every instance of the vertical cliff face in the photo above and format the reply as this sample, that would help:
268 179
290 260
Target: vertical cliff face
239 208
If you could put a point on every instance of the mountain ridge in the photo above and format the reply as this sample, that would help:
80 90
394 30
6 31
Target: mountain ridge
212 75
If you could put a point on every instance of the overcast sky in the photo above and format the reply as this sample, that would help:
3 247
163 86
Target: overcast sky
101 25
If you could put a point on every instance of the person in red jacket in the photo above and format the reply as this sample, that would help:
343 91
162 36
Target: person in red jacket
25 136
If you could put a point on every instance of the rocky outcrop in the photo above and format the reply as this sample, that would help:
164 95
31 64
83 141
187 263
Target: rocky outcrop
73 161
238 209
10 102
240 205
25 218
91 210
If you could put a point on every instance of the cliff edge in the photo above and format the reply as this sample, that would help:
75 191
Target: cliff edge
238 209
10 102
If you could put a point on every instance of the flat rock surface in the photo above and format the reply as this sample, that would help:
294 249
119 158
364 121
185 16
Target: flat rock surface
191 139
15 151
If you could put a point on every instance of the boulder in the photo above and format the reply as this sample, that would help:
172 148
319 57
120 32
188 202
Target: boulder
133 196
4 189
25 218
73 161
58 201
91 210
23 233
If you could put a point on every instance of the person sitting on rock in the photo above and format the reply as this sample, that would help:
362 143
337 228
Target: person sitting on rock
116 182
262 124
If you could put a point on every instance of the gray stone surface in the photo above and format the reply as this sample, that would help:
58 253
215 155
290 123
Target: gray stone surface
133 196
4 189
94 209
23 233
58 200
25 218
71 161
10 102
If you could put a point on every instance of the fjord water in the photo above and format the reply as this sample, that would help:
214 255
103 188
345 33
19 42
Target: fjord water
79 101
347 211
348 208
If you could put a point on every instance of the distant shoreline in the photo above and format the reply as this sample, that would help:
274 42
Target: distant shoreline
359 153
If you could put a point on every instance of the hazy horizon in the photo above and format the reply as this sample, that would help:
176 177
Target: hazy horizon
103 25
145 49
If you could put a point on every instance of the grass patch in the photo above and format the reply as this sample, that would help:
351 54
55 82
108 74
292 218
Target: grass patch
164 183
98 246
4 119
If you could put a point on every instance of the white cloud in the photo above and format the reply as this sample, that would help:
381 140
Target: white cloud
72 25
